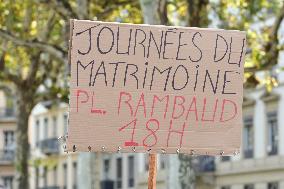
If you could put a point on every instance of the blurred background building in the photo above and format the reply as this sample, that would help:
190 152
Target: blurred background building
34 35
260 164
7 140
50 168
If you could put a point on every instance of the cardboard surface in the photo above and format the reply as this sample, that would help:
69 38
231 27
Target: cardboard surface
155 88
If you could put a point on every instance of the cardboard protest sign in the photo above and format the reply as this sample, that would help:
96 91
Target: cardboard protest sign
155 89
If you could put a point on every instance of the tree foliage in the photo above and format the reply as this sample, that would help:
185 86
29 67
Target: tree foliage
34 39
261 20
33 53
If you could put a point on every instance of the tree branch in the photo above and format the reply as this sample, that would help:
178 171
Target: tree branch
6 75
45 32
2 61
6 87
62 7
277 24
109 8
271 47
196 11
163 13
54 50
35 62
82 9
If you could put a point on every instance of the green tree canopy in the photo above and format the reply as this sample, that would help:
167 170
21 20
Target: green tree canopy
34 38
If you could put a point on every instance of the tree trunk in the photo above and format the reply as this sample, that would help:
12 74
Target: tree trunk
24 106
197 13
155 12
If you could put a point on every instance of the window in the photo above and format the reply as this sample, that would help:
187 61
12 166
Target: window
37 178
45 128
64 176
65 120
119 173
74 175
248 186
272 185
9 145
130 171
106 168
8 139
163 161
37 132
146 162
272 141
225 158
55 175
54 124
225 187
10 110
8 182
248 138
45 176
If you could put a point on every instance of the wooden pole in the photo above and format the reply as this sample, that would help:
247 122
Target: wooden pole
152 171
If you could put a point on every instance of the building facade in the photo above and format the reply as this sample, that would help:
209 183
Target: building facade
51 167
260 164
7 141
121 171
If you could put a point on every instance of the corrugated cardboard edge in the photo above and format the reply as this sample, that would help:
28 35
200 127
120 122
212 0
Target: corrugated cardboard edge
193 151
70 40
165 26
71 28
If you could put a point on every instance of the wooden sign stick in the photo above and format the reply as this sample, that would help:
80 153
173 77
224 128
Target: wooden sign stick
152 171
